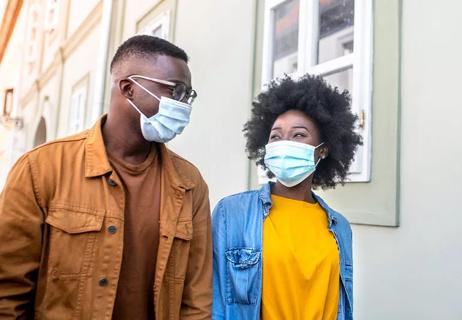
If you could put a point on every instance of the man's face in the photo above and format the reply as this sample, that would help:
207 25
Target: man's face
159 67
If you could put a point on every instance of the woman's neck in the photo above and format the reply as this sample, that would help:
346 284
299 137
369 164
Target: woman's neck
301 192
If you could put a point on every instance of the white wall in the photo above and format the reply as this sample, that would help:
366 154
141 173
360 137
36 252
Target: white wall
221 53
414 271
79 64
10 67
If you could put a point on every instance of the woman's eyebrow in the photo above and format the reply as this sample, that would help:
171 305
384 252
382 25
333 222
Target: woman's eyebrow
276 128
300 127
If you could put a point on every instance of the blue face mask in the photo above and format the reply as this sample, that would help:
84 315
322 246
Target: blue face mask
291 162
170 120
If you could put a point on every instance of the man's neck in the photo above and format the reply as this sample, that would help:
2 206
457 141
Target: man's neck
124 142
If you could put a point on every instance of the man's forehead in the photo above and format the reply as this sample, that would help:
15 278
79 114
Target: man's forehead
157 66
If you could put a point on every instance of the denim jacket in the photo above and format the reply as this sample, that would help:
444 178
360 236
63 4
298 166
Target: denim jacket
237 226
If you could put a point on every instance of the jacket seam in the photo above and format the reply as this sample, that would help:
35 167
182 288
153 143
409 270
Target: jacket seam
34 182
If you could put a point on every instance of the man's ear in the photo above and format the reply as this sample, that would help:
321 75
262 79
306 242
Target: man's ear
126 88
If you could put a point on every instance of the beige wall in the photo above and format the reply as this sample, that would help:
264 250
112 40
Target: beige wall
221 52
79 64
10 68
79 10
413 272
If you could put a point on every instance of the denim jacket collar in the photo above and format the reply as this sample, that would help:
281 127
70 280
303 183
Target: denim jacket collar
265 195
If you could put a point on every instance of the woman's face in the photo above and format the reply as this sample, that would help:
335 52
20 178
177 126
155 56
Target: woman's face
296 126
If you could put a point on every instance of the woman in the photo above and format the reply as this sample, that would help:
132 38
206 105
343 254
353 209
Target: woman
281 252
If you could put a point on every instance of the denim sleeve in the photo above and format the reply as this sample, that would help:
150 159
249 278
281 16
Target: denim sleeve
219 265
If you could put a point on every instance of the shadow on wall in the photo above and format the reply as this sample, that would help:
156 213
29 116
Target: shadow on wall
40 133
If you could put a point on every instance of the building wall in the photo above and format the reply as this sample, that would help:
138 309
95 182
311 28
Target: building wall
413 272
222 70
10 68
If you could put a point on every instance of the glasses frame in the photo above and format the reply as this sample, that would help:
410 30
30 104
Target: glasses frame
188 96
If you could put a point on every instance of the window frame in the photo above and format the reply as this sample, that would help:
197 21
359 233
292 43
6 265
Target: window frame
163 14
8 102
52 24
77 114
33 42
361 60
162 20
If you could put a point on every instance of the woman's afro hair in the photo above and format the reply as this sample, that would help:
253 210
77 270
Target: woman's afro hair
326 106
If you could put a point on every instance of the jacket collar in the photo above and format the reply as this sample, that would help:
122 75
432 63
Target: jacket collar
265 195
96 160
97 163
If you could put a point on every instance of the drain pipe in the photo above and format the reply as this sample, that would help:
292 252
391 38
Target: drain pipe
102 61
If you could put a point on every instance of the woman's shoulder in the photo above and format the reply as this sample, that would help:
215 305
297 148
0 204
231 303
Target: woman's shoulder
238 205
339 219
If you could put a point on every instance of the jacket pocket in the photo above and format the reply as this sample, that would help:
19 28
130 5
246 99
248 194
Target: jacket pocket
243 275
179 253
71 239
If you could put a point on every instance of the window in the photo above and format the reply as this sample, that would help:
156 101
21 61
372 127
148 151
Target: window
33 39
52 15
78 106
329 38
158 27
8 102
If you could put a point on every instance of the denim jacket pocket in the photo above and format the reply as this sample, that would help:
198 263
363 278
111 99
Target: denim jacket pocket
243 275
71 239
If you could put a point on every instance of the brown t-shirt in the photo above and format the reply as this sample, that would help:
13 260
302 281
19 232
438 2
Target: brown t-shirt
141 183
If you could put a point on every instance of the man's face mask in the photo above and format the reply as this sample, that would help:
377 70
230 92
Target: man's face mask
173 115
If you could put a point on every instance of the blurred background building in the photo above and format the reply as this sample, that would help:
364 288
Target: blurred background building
400 60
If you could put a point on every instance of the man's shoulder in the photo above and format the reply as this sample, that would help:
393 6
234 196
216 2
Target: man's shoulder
49 149
185 168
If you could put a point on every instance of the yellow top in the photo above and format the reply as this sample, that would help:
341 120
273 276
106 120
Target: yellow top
301 263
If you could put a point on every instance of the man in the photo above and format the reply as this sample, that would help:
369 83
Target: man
109 224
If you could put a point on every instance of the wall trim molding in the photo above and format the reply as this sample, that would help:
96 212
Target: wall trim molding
63 52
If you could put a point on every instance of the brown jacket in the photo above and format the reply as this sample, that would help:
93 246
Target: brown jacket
61 235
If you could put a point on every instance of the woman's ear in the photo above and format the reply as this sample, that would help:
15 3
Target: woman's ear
126 88
323 152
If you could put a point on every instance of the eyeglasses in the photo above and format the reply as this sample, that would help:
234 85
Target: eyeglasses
180 91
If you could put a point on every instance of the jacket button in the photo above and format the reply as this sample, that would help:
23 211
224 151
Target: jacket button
103 282
112 229
111 182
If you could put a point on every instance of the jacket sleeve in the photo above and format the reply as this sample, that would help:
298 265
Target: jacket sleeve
197 293
219 267
21 220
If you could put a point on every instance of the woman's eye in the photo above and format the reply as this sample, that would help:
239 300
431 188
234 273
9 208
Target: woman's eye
299 135
274 137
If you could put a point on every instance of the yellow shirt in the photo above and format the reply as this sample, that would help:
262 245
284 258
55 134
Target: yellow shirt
301 263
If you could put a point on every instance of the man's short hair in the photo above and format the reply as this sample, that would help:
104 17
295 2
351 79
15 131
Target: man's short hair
144 45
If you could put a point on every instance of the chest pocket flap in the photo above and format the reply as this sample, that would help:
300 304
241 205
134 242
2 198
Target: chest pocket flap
73 220
243 258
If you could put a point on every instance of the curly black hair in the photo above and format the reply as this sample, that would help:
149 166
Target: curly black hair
143 45
326 106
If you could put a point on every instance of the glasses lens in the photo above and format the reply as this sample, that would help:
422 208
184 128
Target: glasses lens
179 92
